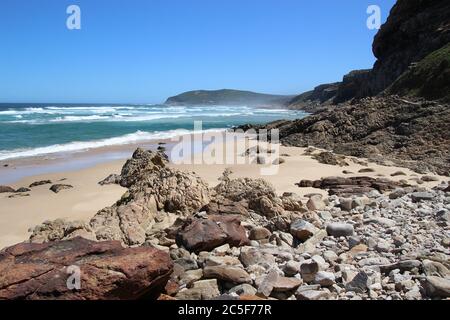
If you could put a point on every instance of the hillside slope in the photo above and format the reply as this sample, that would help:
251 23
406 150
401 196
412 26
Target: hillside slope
227 96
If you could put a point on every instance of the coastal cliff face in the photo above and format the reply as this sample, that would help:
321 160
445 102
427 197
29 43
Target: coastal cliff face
414 30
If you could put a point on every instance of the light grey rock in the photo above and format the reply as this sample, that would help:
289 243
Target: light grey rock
291 268
422 196
340 229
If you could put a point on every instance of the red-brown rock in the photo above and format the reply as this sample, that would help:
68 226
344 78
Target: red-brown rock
107 271
206 234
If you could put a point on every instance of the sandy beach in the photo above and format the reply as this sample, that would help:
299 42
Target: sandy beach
19 213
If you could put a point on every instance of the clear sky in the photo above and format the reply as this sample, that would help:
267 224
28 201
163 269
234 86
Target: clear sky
142 51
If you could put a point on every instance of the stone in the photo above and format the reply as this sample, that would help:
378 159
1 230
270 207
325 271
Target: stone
291 268
325 279
208 288
108 271
383 246
206 234
6 189
312 295
111 179
284 284
259 233
56 188
429 179
265 288
366 170
437 287
340 229
316 203
40 183
435 269
308 270
230 274
22 190
422 196
222 261
187 263
243 289
302 230
359 283
398 173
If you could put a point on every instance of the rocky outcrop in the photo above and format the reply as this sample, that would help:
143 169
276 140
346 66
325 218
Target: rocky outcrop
155 194
107 271
413 30
410 133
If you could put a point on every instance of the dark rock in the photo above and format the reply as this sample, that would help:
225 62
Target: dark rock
40 183
23 189
58 187
398 173
436 287
107 271
366 170
331 159
111 179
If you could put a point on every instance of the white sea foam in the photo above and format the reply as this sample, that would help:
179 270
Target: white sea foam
138 136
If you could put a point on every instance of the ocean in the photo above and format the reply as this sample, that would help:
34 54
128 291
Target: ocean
28 130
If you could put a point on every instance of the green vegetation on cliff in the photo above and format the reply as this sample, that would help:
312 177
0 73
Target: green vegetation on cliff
227 96
429 78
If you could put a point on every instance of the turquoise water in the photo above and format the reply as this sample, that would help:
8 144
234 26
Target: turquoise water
39 129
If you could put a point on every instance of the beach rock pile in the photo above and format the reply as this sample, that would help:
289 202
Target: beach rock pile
240 240
156 196
107 271
376 246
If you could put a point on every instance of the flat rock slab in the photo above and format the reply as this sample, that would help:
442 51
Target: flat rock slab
107 271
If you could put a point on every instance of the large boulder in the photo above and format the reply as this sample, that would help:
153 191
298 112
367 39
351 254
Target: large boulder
107 271
206 234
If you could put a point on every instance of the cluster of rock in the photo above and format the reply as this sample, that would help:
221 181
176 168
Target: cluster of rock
22 192
239 240
409 133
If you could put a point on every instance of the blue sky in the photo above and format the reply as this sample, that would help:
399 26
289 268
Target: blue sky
142 51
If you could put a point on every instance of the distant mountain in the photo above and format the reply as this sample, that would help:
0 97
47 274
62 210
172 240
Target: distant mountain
228 96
